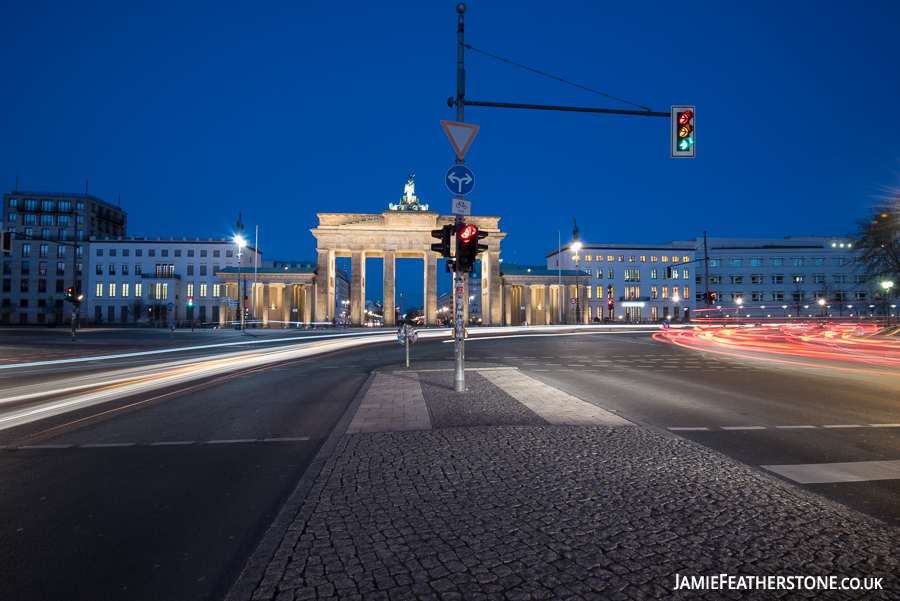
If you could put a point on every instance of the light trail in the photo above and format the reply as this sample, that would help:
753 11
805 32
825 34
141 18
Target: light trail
842 343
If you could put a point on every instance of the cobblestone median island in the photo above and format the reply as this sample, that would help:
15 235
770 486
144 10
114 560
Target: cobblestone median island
542 512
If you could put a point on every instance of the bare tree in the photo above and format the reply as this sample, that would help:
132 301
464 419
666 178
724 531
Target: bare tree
136 310
876 249
7 310
798 294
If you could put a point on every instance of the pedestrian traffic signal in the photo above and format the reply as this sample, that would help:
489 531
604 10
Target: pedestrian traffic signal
246 312
467 247
610 303
70 295
444 235
712 297
190 301
683 131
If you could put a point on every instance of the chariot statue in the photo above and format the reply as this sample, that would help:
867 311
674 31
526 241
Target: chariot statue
409 201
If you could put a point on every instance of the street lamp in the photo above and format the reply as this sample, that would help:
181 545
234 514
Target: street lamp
739 301
887 296
676 299
241 243
821 302
575 248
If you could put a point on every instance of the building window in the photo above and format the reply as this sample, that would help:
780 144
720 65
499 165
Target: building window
216 253
125 287
42 285
29 219
589 292
203 270
202 253
98 290
7 287
757 279
112 290
653 274
190 252
860 296
42 267
736 262
190 290
839 279
737 296
124 268
686 274
838 261
798 279
138 269
138 252
599 273
736 279
202 290
715 262
797 261
44 248
610 273
151 252
674 259
599 292
99 252
756 262
112 269
653 293
653 258
177 252
631 258
230 253
62 221
60 252
778 279
818 279
587 258
62 235
685 259
190 270
687 292
137 290
778 296
61 268
46 219
715 279
99 269
665 292
859 279
757 297
665 259
165 252
216 291
818 261
25 268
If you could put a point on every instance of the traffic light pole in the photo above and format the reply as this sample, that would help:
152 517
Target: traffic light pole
459 277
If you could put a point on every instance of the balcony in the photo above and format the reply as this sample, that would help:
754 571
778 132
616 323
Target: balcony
168 276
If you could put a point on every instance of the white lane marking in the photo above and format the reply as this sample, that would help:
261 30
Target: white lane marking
854 471
229 441
885 425
845 426
329 367
156 444
108 444
743 427
285 439
531 364
688 428
540 370
796 427
47 446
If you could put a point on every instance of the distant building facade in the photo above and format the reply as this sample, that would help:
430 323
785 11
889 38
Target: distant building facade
760 277
53 237
133 280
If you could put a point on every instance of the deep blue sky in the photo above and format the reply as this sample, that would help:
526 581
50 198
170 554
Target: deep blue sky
196 111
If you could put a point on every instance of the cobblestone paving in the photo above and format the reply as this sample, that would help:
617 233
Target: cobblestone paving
572 512
482 405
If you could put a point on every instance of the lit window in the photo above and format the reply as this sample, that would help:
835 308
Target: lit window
137 290
202 290
112 290
98 290
587 258
125 287
610 258
665 259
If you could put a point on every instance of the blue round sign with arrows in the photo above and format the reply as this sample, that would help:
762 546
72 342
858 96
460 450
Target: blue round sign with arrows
460 180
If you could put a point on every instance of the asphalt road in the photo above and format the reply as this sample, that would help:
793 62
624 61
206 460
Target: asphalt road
196 473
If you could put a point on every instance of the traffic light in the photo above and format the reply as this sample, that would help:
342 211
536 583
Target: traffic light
70 295
444 234
467 247
246 312
7 241
712 297
683 131
190 302
610 304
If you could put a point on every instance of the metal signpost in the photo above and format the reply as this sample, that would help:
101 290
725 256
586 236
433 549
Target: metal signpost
406 335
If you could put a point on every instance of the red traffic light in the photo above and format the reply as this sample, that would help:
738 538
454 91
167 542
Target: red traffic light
609 303
467 233
685 117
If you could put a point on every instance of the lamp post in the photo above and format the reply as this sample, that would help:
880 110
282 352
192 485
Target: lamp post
241 243
739 302
676 299
821 302
575 248
887 297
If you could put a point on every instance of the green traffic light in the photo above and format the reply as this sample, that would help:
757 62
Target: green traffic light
686 143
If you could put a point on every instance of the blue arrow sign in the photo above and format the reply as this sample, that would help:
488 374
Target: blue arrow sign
460 180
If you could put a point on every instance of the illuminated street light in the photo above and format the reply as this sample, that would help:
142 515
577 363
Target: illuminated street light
887 295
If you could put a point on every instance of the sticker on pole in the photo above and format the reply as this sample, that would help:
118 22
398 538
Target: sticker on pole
461 207
461 135
405 332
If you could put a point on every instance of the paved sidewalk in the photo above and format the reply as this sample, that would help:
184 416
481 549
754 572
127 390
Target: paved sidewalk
455 506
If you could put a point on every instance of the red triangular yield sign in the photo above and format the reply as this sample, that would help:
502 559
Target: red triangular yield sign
461 135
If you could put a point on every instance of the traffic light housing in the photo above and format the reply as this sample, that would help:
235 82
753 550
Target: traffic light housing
190 301
683 131
70 295
246 312
467 247
444 235
7 241
610 304
712 297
